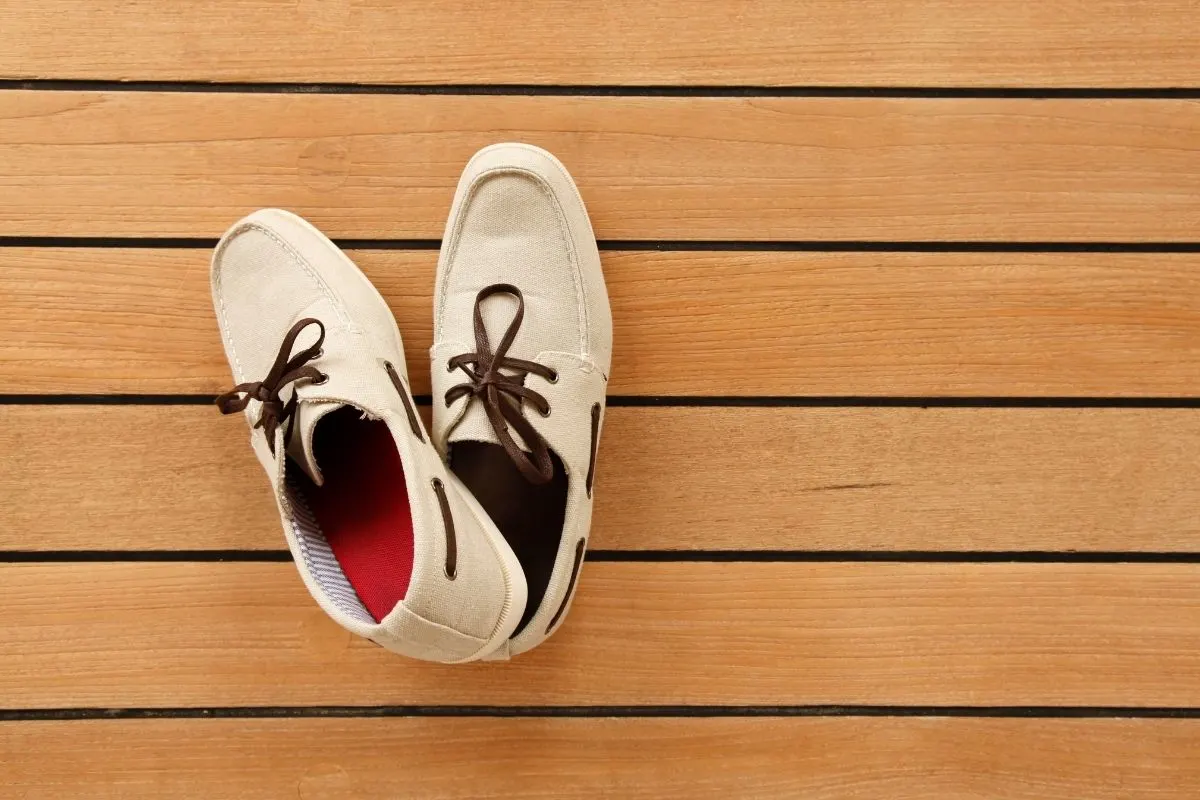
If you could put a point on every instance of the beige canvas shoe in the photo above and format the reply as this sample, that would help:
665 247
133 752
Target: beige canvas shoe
521 355
386 539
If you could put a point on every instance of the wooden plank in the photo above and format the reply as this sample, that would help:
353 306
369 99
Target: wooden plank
823 758
717 478
115 635
146 164
770 42
686 323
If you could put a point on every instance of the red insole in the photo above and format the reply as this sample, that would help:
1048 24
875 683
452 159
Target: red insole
363 507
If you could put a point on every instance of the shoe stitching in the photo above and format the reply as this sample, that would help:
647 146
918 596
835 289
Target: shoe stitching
296 259
433 623
568 241
584 363
586 340
334 299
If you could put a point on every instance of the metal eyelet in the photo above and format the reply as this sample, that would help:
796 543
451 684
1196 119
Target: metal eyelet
450 365
321 380
553 376
546 414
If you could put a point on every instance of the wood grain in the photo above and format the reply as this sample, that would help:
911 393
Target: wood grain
189 164
686 323
182 478
653 167
822 759
769 42
116 635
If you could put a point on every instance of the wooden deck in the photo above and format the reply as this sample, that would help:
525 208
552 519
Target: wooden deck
899 495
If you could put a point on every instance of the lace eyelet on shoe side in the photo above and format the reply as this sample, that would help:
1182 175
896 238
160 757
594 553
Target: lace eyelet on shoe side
591 473
321 380
553 376
401 390
579 548
451 566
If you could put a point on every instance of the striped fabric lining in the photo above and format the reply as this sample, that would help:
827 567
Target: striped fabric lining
320 561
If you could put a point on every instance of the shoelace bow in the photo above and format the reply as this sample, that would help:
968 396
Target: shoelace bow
502 394
286 369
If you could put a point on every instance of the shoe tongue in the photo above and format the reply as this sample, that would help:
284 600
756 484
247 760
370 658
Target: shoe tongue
300 449
347 384
497 312
476 427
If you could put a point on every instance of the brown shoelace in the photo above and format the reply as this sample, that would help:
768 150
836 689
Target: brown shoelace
502 395
286 369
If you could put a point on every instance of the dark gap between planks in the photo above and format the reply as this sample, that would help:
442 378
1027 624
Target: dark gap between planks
660 556
1072 712
594 90
679 401
648 245
619 711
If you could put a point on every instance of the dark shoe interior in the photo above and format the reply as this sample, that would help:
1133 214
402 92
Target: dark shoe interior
363 507
530 516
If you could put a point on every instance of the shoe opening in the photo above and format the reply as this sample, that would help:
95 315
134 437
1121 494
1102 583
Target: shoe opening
356 530
530 516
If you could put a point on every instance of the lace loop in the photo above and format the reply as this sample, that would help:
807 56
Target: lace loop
502 394
287 369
